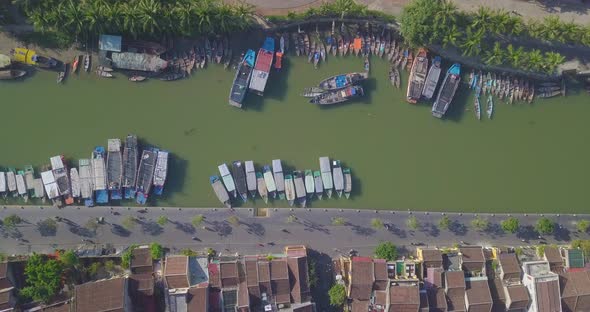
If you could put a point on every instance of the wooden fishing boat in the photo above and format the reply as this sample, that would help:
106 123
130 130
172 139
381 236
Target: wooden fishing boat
228 179
104 74
548 84
228 59
404 59
367 64
75 180
277 170
548 89
290 189
326 172
239 175
309 183
220 191
338 177
394 76
357 45
312 92
30 179
11 74
549 94
137 78
410 60
531 93
347 182
87 60
105 69
316 59
417 78
219 52
61 75
432 78
342 81
447 91
295 39
250 177
21 187
75 63
477 107
306 43
338 96
322 51
317 182
490 107
269 181
340 46
261 187
300 191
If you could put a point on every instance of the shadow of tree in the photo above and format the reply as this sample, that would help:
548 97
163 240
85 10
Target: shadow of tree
395 230
495 230
47 228
311 226
151 228
458 228
362 230
81 231
255 228
430 229
222 228
527 232
562 233
119 230
184 227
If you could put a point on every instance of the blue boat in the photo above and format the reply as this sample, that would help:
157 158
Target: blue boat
447 91
145 174
98 167
242 79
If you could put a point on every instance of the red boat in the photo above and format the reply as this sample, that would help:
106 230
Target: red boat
279 60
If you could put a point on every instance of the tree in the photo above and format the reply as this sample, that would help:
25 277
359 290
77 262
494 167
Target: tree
188 252
291 219
583 226
338 221
535 60
482 19
545 226
480 223
413 223
129 222
376 223
12 220
43 278
386 250
127 256
109 265
516 57
510 225
92 225
451 36
337 295
426 21
444 223
495 56
47 226
197 220
156 251
552 60
162 220
94 268
472 44
233 220
313 275
69 259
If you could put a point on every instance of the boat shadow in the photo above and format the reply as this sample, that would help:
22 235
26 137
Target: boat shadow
175 180
460 103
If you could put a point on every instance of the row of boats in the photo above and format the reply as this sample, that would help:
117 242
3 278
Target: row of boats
336 89
300 186
112 174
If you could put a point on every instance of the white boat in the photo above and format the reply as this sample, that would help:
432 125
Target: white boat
39 191
309 183
21 187
432 78
269 181
300 192
338 177
289 189
86 181
50 185
11 181
490 107
228 180
277 170
75 180
2 182
326 171
250 177
220 191
160 172
347 182
319 185
261 186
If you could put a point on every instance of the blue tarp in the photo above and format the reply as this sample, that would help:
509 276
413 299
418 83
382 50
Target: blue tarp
110 43
340 81
269 44
250 57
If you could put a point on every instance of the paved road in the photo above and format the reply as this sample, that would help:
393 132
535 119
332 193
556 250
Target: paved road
260 235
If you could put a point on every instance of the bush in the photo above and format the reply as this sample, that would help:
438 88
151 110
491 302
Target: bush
312 273
69 258
162 220
377 224
510 225
94 268
188 252
386 250
545 226
129 222
444 223
412 222
233 220
337 295
109 265
338 221
12 220
197 220
92 224
126 257
583 226
43 278
480 223
156 251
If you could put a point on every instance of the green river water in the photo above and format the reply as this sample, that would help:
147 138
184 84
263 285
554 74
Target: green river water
529 158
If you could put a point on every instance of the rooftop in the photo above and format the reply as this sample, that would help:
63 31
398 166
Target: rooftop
537 269
279 275
431 255
141 257
176 272
99 296
229 274
553 256
519 296
478 292
455 279
509 263
575 258
362 278
298 279
197 299
472 254
404 296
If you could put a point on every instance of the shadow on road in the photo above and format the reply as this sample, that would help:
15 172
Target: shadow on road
430 229
458 228
151 228
222 228
185 227
393 229
119 230
255 228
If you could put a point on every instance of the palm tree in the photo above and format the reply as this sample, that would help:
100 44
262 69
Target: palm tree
95 16
495 56
130 19
535 60
552 60
515 25
572 32
482 19
149 14
451 36
244 12
499 22
183 13
552 29
472 44
223 17
516 57
73 18
447 14
203 12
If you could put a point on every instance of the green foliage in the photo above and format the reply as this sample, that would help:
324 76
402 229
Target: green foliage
427 21
270 257
480 223
129 222
337 295
12 220
189 252
69 259
494 265
583 244
43 278
583 226
545 226
162 220
444 223
291 219
47 226
386 250
92 224
338 221
94 268
312 272
156 251
541 250
518 251
510 225
139 18
126 257
413 223
234 220
198 220
211 252
109 265
376 223
336 9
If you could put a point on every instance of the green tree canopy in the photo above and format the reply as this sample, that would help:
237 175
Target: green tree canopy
510 225
376 223
427 21
156 251
583 226
12 220
198 219
386 250
337 295
444 223
162 220
545 226
480 223
43 278
69 259
412 222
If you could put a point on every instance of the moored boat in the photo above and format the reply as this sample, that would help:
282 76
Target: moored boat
114 168
417 78
300 191
75 63
228 180
240 179
318 184
11 181
75 179
29 179
21 187
87 62
137 78
145 174
490 107
86 181
342 81
38 190
262 66
100 176
277 170
279 60
11 74
2 183
61 75
130 166
312 92
447 91
242 79
51 187
432 78
160 172
269 180
338 177
261 186
220 191
338 96
309 183
289 189
347 182
326 171
477 108
367 64
250 177
60 173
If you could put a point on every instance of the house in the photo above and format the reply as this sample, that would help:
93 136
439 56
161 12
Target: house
279 280
243 303
553 256
472 260
512 298
477 295
63 306
104 295
299 279
141 261
194 299
176 272
404 298
6 276
228 272
574 258
509 268
380 270
575 291
251 267
434 278
430 258
361 278
381 298
542 285
264 278
141 290
7 299
455 290
424 304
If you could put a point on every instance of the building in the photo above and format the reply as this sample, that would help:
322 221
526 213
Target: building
553 256
141 260
508 298
404 297
104 295
430 258
455 290
7 296
477 295
176 272
187 283
543 287
575 291
509 268
472 260
574 258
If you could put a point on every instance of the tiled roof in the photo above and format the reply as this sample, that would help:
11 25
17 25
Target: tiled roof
141 257
472 254
141 284
381 297
243 294
197 299
5 295
547 295
498 296
380 270
106 295
432 257
279 276
404 298
214 280
298 279
575 291
455 279
308 307
251 272
176 272
519 296
437 299
360 306
478 295
264 277
509 264
229 274
4 282
456 303
65 306
362 278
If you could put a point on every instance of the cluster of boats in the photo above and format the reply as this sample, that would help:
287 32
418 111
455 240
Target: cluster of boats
299 186
113 173
336 89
